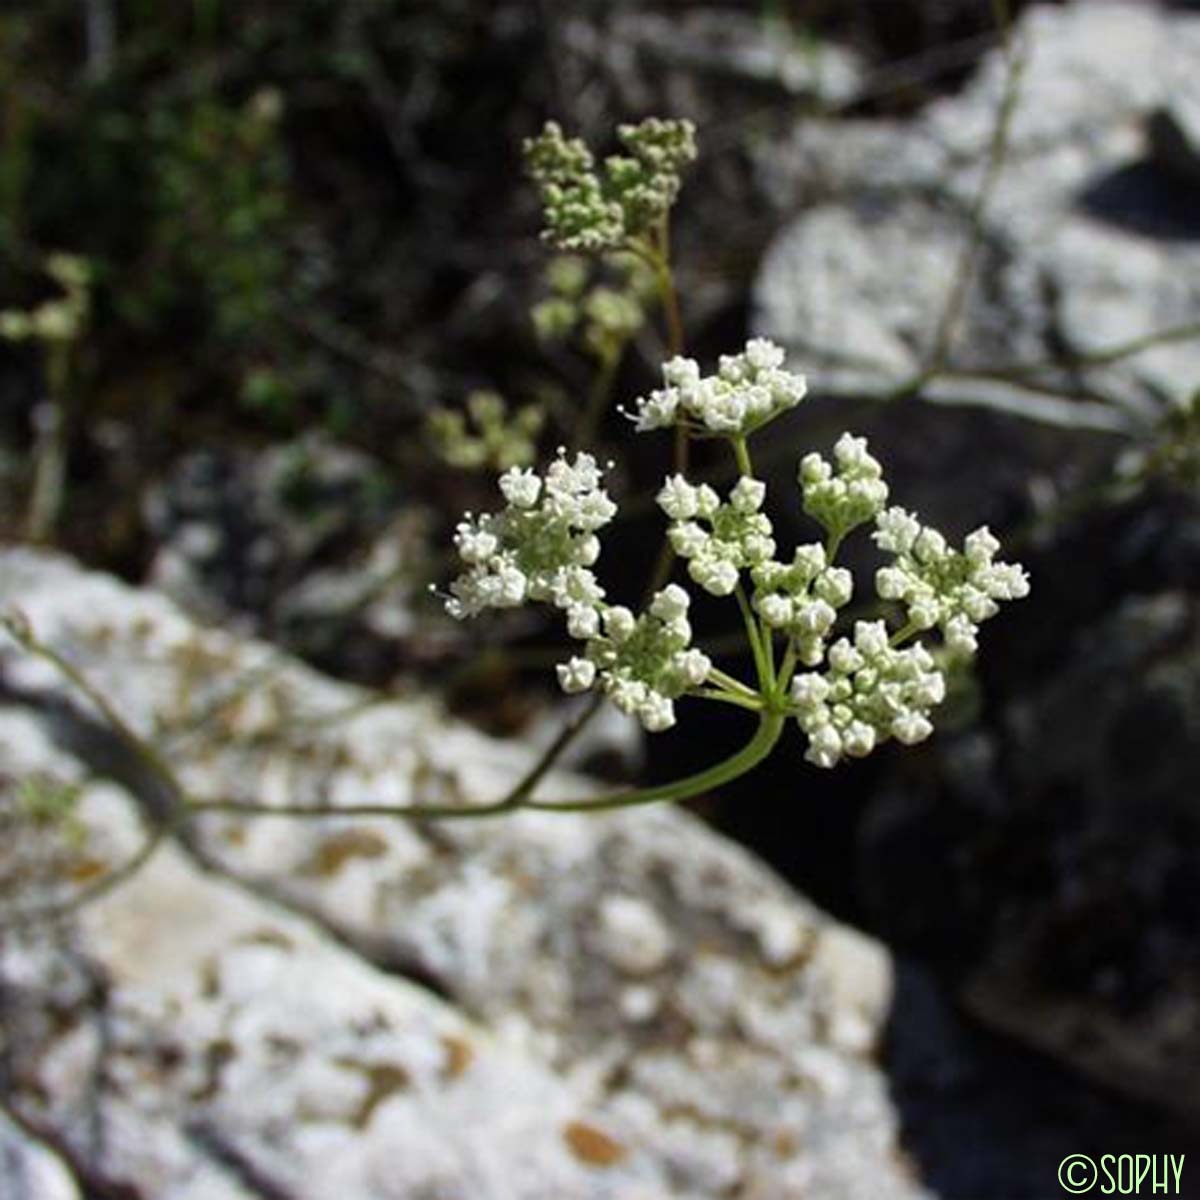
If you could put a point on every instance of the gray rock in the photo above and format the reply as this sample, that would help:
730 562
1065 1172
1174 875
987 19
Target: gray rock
1047 859
1085 245
29 1170
302 541
683 62
630 1006
738 46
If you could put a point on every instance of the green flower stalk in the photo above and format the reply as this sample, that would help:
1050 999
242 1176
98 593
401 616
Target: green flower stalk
58 324
624 206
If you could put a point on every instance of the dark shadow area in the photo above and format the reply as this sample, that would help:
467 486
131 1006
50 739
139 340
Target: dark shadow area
986 1119
1143 198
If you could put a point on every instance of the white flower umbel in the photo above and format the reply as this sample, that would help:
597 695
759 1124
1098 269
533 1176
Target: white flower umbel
869 693
858 694
950 589
748 390
541 547
642 663
717 540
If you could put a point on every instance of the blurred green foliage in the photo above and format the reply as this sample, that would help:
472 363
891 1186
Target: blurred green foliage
220 200
268 194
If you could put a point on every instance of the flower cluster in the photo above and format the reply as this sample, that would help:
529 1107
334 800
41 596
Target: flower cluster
952 590
540 547
642 663
842 499
579 216
605 315
646 182
737 537
61 319
801 599
487 434
848 694
858 692
870 692
748 390
589 212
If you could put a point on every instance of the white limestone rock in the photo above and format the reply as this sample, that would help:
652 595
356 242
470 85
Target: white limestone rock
652 1013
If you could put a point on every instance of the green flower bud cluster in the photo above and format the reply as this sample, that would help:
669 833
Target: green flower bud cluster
738 535
646 183
748 390
60 320
578 214
870 692
606 316
952 590
590 212
487 434
840 500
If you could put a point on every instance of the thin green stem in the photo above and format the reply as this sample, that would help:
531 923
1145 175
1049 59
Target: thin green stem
766 636
759 632
786 668
667 290
754 704
23 634
997 154
658 256
770 726
729 682
681 450
514 799
403 812
753 633
742 453
598 398
569 732
55 910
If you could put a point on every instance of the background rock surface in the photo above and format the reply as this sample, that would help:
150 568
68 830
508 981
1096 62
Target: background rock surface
621 1006
1088 241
